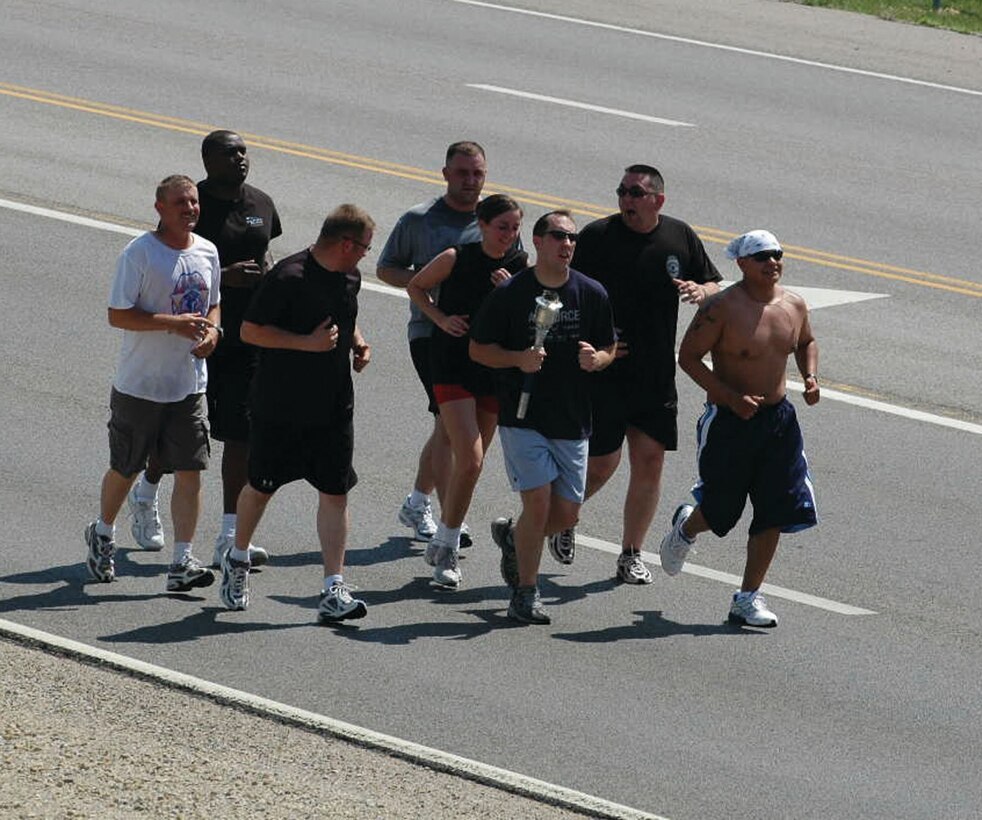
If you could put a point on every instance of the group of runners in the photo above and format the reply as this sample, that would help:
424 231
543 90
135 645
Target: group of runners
568 359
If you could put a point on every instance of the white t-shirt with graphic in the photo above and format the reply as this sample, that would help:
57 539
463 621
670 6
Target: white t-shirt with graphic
151 276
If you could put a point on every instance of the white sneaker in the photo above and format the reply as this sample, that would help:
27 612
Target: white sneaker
257 555
234 591
675 546
421 520
750 609
146 527
446 564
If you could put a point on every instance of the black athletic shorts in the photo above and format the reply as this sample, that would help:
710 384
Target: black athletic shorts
419 351
617 407
229 381
320 454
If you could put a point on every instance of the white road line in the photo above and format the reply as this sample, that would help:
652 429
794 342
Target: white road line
67 217
413 752
617 112
734 580
720 47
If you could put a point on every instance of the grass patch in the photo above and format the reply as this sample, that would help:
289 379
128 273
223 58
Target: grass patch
957 15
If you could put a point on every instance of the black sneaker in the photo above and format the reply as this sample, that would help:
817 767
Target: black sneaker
100 558
526 606
503 534
187 575
562 545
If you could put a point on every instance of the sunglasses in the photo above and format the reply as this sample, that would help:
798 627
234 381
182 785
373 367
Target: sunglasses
559 236
635 191
763 256
359 243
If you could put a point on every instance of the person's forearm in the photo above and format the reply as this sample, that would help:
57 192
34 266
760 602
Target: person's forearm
272 337
494 355
806 357
397 277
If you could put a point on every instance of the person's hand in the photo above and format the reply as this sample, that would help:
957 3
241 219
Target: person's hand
590 358
324 337
191 326
207 346
691 292
811 390
746 407
361 356
499 277
531 359
242 274
455 325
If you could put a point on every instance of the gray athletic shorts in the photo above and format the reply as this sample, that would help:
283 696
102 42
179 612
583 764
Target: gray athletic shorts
177 431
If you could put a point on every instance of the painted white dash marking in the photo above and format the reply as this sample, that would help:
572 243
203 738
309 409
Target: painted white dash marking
599 109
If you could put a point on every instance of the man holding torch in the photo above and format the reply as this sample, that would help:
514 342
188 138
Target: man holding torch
544 422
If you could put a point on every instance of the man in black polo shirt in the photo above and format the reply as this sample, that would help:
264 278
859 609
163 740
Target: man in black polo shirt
304 317
241 220
646 261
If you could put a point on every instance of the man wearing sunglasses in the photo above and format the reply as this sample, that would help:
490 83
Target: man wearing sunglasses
545 451
647 261
750 443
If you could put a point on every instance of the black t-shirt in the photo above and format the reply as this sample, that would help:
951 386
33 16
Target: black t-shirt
241 230
293 386
637 270
461 294
560 402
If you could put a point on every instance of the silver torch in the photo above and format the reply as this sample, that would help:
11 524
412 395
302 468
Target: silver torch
547 307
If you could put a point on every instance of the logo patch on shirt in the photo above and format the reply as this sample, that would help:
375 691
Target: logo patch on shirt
673 267
254 221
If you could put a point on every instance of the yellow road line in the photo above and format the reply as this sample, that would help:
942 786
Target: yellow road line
936 281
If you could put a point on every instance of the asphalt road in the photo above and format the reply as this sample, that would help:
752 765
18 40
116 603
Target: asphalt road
641 696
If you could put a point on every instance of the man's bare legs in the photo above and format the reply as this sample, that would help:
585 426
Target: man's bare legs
543 513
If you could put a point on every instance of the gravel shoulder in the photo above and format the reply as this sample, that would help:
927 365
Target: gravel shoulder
78 741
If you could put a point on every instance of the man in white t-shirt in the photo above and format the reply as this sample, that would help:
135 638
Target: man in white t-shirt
164 298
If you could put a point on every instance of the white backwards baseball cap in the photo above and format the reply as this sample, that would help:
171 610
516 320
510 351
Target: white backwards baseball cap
752 242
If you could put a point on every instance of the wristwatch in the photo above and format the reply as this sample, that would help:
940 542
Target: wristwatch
221 332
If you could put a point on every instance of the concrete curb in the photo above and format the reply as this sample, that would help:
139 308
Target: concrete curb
493 776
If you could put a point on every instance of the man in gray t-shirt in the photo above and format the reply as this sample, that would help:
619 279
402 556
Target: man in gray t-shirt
420 234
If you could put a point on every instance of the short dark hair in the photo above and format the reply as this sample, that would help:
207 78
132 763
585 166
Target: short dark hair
653 174
344 221
496 205
173 181
542 223
467 148
216 139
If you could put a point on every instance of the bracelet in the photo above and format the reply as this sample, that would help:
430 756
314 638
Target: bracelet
221 332
811 376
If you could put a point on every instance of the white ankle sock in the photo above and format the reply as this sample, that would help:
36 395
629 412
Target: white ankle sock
418 499
144 489
182 550
242 556
104 529
330 580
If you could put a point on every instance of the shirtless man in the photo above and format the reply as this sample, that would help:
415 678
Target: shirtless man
749 440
